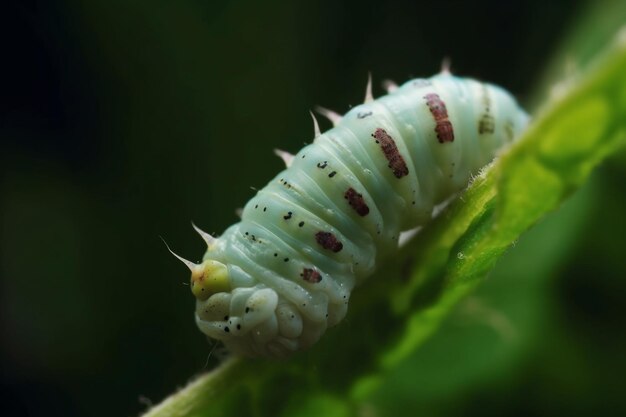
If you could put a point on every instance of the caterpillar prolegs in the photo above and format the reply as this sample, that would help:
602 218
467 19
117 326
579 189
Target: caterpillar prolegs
272 283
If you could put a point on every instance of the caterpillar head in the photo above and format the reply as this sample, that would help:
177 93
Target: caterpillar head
230 309
208 278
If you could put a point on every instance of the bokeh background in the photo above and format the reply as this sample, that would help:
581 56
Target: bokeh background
121 121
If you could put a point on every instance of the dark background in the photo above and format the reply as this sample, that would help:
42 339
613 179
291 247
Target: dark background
122 121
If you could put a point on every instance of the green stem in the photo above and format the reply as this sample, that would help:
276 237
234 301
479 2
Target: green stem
199 393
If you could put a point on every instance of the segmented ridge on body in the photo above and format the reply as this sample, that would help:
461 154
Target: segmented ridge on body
273 283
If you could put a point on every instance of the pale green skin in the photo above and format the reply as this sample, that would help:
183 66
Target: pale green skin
286 313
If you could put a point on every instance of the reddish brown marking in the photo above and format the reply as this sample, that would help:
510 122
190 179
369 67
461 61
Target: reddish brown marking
437 108
391 152
356 202
486 124
328 241
444 130
311 275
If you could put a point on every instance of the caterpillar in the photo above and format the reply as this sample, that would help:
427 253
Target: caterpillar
273 283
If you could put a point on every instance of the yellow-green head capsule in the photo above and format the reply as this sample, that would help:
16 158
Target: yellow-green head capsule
208 278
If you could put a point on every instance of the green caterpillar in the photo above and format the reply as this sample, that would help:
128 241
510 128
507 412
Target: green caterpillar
273 283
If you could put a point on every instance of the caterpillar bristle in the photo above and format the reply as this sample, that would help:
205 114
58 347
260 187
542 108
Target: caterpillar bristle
205 236
187 263
316 126
285 156
334 118
239 212
368 89
390 86
407 236
446 64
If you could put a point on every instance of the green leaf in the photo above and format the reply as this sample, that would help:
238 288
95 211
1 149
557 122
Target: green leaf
395 311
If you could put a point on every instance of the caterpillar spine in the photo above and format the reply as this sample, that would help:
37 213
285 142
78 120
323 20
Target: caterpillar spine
272 283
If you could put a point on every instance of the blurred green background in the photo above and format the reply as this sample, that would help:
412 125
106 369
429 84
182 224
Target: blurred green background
124 120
